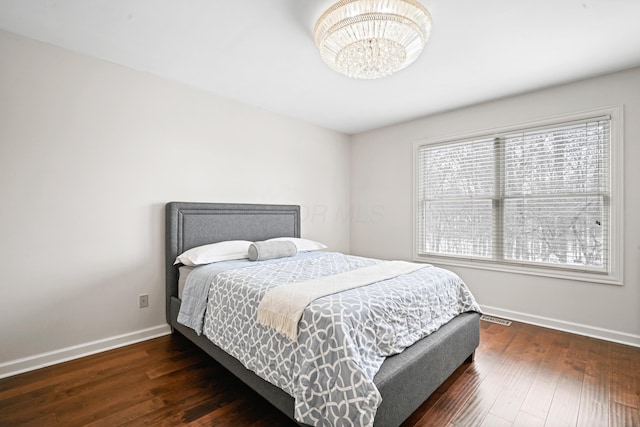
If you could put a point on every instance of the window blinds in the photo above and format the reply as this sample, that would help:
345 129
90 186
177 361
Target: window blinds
536 196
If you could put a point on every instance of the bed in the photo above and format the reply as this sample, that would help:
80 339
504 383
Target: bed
404 380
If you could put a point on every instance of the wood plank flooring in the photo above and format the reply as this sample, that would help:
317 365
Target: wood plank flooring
523 375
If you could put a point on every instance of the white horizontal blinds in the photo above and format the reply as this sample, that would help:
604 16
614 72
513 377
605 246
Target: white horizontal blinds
456 191
537 196
556 207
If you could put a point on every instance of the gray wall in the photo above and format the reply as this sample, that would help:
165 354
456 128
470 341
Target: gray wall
381 179
89 154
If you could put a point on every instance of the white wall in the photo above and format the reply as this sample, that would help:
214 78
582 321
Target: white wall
89 154
381 180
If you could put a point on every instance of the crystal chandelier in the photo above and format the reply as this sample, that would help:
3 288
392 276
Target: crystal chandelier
369 39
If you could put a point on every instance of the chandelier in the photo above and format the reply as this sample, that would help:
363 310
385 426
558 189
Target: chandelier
369 39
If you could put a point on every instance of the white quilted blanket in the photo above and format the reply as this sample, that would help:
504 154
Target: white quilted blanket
281 308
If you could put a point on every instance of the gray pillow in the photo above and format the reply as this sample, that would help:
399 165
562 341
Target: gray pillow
260 251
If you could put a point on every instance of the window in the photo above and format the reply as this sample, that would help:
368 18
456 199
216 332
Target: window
538 198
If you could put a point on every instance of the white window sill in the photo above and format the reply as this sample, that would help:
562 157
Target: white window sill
605 279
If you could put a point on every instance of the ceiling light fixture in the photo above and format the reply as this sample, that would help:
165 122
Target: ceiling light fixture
369 39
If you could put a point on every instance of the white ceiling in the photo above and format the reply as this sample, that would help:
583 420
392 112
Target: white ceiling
261 52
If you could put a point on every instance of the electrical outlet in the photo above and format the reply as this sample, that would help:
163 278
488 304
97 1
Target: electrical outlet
143 301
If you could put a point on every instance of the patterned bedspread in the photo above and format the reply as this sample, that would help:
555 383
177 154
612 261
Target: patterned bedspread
343 338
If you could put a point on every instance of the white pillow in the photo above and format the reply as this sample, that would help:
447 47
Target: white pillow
215 252
303 245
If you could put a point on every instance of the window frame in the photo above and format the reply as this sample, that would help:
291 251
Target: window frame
614 276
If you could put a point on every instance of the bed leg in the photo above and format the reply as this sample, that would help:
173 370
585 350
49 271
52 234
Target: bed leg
471 357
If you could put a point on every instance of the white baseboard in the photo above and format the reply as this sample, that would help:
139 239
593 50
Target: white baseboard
31 363
561 325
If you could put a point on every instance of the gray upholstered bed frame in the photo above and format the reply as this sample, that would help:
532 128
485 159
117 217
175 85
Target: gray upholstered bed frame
405 380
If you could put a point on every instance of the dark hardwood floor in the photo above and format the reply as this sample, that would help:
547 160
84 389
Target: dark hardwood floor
522 376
